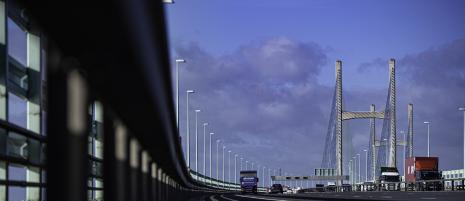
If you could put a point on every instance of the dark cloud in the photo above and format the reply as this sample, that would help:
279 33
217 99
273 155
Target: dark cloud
434 81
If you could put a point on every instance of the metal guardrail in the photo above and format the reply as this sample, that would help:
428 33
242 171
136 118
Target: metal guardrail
114 52
421 185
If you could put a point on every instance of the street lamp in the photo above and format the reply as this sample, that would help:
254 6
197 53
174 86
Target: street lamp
235 168
263 175
224 147
366 164
241 163
405 145
217 156
463 109
428 123
351 176
359 178
229 166
188 135
196 141
269 175
355 169
210 169
178 61
204 150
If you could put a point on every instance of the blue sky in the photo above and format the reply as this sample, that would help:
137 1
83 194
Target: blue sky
266 67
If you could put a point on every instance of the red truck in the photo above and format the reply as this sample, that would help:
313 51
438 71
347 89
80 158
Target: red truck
422 173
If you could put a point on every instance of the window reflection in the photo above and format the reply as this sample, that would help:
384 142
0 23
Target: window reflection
17 110
17 42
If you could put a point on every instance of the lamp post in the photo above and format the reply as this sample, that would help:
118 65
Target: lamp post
355 168
235 168
427 123
217 156
196 142
366 164
224 147
351 177
187 127
274 173
204 150
229 166
210 169
269 176
178 61
241 163
403 156
263 175
463 110
359 177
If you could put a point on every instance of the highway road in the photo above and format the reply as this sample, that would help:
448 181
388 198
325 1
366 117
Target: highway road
410 196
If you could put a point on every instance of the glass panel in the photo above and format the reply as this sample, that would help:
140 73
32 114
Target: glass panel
16 193
3 139
2 193
17 145
16 172
34 150
17 42
33 193
2 171
17 110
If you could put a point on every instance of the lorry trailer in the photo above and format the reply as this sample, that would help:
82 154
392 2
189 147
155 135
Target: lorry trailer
422 173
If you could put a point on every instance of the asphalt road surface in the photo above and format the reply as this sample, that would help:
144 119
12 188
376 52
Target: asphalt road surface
410 196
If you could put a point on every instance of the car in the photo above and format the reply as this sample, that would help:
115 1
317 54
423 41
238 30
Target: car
276 188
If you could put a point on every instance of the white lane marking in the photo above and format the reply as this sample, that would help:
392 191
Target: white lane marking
428 198
228 198
212 198
260 198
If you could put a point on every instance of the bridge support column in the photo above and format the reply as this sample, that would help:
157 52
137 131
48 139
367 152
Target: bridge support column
410 130
373 143
338 108
392 114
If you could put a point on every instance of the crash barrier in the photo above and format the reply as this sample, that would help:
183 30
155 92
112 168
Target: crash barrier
114 53
423 185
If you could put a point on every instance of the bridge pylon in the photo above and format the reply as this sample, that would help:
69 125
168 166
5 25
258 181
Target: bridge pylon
340 115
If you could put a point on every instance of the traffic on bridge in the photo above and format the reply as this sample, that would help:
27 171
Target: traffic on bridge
215 100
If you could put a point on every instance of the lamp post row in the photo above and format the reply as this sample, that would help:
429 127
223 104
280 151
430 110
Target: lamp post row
188 157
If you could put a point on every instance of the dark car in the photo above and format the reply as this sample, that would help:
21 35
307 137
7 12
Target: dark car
276 188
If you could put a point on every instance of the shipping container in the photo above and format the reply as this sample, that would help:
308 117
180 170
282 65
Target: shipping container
421 168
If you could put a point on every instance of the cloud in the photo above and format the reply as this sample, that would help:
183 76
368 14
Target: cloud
377 63
263 99
434 81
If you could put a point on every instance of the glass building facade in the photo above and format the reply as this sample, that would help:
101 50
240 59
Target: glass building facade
23 109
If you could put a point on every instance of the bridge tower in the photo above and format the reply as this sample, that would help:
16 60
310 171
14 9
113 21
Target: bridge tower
410 130
388 114
392 114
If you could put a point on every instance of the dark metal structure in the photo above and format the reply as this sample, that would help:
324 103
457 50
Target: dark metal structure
113 52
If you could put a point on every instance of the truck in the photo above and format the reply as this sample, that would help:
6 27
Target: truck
388 178
422 173
249 181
